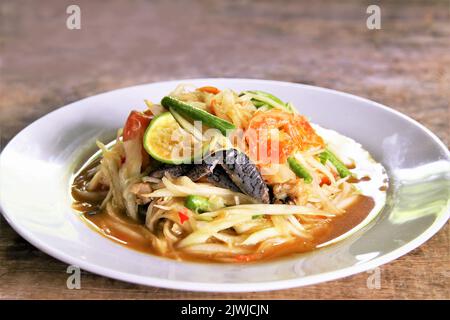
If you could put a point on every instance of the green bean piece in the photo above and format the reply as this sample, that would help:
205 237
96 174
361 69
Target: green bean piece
197 204
340 167
299 170
185 109
323 157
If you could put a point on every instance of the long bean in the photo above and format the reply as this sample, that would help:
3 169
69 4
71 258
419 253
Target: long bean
340 167
299 170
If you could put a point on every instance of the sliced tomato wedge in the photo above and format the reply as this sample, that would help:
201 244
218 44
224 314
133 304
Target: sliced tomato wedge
135 126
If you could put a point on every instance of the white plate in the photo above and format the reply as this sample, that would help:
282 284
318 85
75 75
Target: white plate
36 167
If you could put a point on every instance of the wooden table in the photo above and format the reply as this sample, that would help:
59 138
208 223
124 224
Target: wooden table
43 66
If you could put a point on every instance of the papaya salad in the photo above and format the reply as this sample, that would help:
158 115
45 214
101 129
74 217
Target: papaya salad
224 176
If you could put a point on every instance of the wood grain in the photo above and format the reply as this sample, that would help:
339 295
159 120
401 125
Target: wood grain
43 66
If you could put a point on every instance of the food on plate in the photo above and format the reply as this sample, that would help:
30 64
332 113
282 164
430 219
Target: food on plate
217 175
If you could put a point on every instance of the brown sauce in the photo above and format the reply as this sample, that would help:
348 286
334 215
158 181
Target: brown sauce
136 236
129 233
354 215
356 180
351 166
330 229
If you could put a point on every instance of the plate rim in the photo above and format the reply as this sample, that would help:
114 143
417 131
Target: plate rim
233 287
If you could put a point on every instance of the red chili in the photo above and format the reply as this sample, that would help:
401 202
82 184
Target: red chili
325 180
183 215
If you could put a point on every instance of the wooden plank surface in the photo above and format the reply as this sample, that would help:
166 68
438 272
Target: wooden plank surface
43 66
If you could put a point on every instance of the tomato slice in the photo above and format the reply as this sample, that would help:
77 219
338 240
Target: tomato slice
135 126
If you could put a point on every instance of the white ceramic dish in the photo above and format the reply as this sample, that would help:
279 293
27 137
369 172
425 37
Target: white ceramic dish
36 168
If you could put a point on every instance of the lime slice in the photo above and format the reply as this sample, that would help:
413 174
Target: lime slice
167 142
